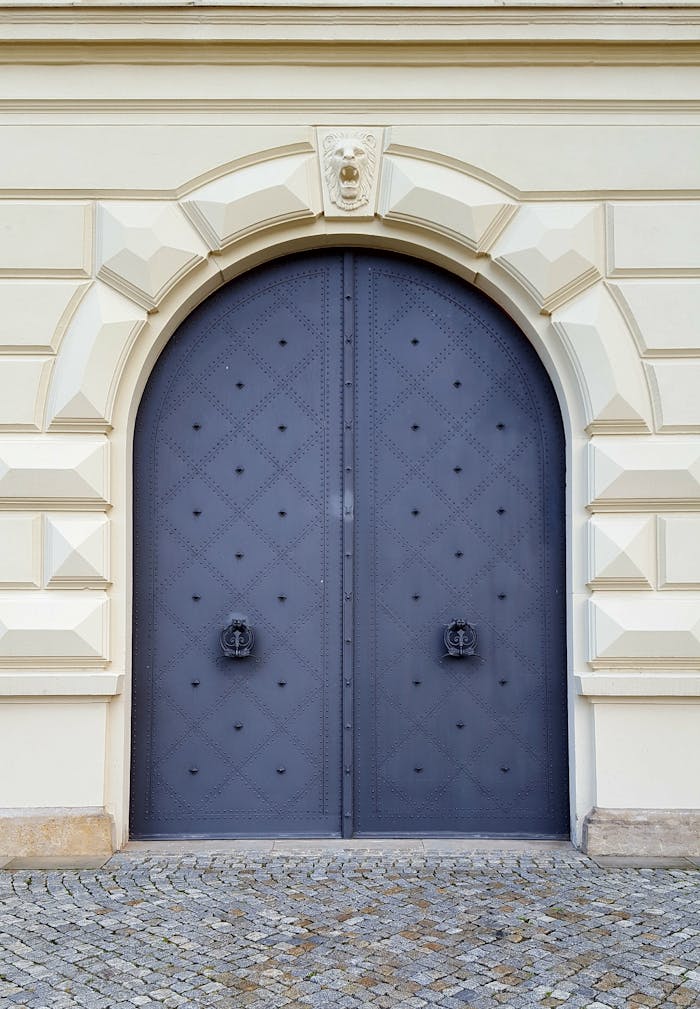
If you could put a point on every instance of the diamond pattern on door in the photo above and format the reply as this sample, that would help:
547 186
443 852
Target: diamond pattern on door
351 450
459 513
237 473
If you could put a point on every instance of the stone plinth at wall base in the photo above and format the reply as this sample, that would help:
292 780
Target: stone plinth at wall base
652 832
51 832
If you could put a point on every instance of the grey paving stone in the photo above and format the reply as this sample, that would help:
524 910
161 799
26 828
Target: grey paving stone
347 926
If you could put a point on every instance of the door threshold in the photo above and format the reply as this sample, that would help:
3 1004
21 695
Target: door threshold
312 845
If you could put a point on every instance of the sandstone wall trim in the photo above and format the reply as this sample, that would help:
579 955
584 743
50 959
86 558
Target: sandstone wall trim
649 832
55 832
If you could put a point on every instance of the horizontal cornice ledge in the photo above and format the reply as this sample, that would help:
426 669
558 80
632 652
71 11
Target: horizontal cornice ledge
629 685
461 27
60 684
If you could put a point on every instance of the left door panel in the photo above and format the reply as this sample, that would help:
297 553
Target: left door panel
237 491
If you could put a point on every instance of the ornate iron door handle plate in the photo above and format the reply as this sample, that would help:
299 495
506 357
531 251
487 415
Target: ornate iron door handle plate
460 639
237 637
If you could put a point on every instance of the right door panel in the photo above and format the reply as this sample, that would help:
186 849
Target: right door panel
459 513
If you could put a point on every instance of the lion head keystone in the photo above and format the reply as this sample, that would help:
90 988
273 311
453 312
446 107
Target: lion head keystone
349 162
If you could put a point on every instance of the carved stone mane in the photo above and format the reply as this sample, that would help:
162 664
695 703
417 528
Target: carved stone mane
350 162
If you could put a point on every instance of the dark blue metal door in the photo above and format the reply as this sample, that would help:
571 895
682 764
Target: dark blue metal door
459 516
237 484
350 452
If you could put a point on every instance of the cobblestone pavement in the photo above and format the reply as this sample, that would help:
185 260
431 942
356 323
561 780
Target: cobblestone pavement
394 929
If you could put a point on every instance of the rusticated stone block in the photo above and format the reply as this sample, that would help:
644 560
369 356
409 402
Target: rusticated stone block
621 551
77 551
90 360
53 630
555 250
443 199
604 357
675 388
35 314
640 474
679 551
636 631
24 382
144 248
43 239
20 550
659 237
255 197
56 471
664 315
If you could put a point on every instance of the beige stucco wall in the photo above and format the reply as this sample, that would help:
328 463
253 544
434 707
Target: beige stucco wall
552 158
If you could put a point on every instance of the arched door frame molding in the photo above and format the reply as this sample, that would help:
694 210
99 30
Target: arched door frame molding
575 327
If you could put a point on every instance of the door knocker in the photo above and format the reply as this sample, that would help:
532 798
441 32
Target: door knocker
237 637
460 639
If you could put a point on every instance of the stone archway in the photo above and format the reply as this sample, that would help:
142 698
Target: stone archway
542 262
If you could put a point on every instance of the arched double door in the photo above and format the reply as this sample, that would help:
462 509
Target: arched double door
350 465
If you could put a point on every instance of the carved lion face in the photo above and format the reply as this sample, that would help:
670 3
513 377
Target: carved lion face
349 160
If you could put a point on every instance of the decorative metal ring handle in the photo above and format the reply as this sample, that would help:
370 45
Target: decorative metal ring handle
460 639
237 638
